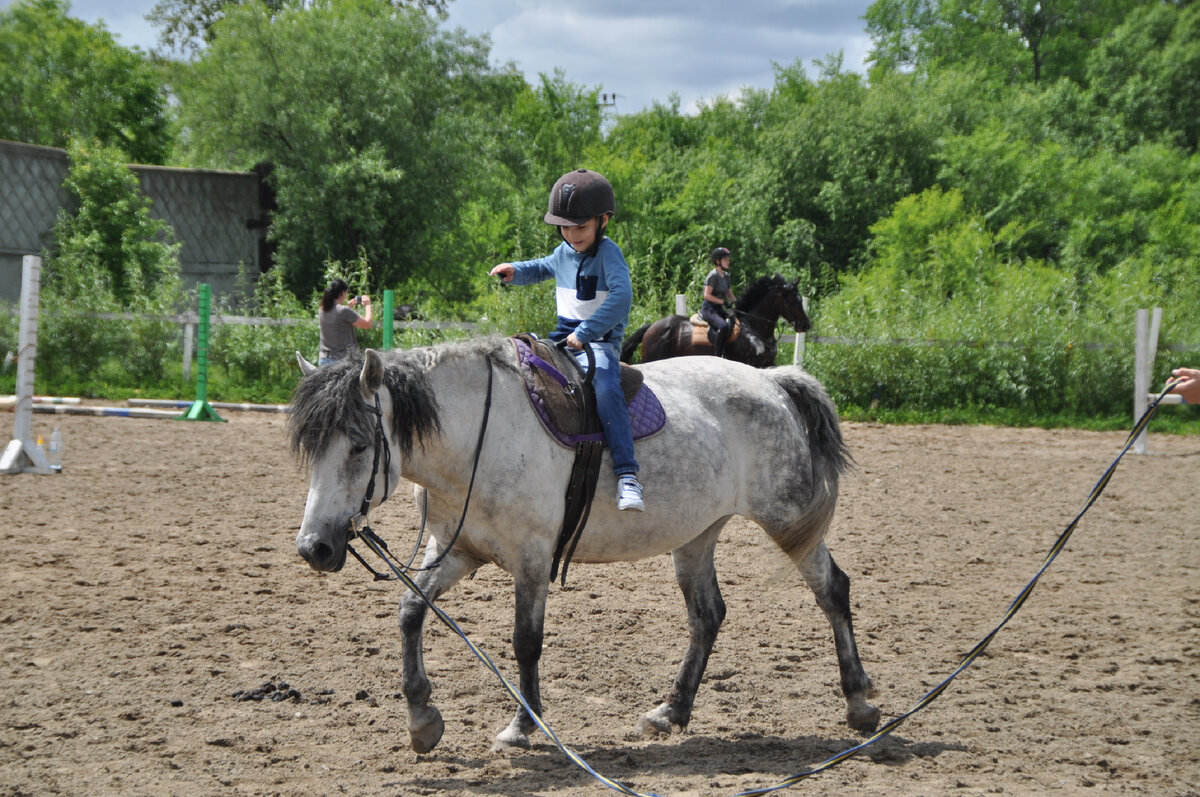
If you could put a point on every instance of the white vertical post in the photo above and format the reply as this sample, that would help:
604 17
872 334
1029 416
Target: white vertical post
798 352
1141 375
1145 350
189 337
681 304
22 455
1152 344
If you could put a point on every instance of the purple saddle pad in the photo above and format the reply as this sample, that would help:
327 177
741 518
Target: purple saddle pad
558 412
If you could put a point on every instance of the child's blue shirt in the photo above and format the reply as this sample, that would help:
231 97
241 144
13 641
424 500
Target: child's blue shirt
593 293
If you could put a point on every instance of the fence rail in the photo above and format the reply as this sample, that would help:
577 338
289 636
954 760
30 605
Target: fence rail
840 341
256 321
190 320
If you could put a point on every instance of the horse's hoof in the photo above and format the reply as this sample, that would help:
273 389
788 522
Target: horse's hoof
863 717
425 728
511 738
655 723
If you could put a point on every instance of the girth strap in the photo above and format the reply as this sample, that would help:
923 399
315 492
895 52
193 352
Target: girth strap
581 489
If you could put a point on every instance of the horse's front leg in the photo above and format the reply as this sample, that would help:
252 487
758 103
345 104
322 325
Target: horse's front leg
832 589
697 578
531 585
425 723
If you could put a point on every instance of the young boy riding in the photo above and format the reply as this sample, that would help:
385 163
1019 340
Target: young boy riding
593 295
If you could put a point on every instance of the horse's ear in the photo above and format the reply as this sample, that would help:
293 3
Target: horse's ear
306 368
372 374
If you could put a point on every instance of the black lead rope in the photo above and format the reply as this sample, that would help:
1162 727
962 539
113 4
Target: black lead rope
889 727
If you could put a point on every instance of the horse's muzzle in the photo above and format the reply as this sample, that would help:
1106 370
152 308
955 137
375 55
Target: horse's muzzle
323 555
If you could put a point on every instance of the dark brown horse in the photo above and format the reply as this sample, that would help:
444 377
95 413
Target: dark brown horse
759 310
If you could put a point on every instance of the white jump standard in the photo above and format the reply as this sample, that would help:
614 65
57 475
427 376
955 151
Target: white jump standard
22 454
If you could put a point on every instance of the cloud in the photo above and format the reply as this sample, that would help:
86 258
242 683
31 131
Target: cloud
647 51
643 50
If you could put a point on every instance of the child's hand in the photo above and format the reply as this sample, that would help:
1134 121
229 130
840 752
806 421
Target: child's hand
574 342
505 270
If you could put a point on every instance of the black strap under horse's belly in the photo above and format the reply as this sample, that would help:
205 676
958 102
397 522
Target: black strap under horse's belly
581 489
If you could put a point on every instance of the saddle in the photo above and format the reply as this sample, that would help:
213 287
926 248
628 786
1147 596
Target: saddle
558 400
568 413
702 334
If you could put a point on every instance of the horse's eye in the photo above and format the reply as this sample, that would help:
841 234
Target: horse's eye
356 450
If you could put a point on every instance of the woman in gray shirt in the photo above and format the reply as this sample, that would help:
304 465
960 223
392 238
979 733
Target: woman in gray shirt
338 319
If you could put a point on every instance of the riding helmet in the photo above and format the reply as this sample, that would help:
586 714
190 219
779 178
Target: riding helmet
719 253
578 196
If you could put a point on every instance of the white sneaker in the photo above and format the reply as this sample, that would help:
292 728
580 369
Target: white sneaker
629 493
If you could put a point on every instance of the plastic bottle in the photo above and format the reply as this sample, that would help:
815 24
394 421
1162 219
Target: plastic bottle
54 453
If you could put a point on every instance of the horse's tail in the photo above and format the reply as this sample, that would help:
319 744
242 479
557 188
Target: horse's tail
632 342
819 414
828 451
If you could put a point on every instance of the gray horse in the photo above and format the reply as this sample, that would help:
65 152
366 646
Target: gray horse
781 456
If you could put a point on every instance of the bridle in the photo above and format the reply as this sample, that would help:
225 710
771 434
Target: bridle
381 442
782 296
359 529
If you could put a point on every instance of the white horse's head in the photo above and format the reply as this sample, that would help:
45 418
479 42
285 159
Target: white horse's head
354 450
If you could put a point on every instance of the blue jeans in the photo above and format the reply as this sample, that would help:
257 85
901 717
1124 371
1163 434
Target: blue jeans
610 404
324 361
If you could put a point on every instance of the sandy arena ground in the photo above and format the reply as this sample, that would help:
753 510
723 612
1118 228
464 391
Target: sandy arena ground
156 581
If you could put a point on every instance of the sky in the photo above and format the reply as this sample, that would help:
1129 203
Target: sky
643 51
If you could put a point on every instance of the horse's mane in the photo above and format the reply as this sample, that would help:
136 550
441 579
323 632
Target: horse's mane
328 400
758 291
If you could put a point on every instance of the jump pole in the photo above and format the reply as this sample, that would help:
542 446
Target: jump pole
22 455
201 410
221 405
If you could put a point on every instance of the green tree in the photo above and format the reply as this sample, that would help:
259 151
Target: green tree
110 236
376 123
60 77
840 159
109 255
1010 40
190 25
1146 75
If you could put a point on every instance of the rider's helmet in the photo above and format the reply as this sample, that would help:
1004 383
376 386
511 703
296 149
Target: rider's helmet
578 196
719 253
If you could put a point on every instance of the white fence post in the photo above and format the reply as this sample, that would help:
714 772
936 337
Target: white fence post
189 338
1145 347
801 337
22 455
681 304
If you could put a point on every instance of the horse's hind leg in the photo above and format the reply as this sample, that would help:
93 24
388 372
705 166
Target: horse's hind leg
832 588
697 578
531 586
425 725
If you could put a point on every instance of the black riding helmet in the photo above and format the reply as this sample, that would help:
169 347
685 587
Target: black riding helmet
719 253
578 196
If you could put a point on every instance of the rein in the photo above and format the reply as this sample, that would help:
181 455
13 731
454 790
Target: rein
358 528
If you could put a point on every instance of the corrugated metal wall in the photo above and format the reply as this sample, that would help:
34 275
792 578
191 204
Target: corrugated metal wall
216 215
